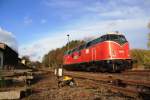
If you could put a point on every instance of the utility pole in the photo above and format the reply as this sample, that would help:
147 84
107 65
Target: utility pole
68 42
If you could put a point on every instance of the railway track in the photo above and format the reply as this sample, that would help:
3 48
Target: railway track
116 83
137 72
130 83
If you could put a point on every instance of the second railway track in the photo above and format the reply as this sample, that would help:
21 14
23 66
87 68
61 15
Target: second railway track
119 83
137 72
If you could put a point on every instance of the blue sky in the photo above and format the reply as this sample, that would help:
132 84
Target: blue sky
37 26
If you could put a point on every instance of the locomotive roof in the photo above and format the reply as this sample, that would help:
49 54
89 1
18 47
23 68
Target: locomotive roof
116 33
85 44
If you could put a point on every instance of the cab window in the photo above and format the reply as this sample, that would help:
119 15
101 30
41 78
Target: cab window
118 38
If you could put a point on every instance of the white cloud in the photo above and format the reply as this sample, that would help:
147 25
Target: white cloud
98 8
8 38
94 18
37 49
27 20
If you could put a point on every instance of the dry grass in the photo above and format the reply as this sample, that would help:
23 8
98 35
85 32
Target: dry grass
46 89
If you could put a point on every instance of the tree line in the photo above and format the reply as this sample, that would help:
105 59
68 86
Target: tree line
55 57
142 57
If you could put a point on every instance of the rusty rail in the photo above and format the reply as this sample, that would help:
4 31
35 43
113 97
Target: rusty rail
108 81
137 72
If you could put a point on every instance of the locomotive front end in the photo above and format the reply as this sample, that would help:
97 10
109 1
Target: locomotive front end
119 55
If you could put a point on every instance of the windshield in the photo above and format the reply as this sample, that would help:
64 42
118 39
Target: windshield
118 38
112 37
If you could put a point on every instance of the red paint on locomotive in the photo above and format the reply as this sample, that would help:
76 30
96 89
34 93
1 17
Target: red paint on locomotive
109 47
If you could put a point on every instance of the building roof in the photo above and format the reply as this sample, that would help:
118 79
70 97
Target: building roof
2 46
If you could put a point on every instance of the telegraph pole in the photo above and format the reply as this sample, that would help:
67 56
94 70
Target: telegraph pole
68 41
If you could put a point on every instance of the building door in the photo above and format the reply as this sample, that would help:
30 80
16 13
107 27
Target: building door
1 60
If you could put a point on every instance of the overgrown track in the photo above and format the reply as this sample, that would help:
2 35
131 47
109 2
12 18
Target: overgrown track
118 83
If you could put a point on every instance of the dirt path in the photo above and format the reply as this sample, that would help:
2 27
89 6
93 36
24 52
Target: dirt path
46 89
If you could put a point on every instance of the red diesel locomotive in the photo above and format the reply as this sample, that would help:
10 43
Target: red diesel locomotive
108 53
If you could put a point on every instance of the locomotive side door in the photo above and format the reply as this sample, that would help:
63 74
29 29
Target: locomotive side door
93 54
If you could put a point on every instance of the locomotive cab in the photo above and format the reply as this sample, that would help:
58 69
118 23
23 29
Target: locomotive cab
117 56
